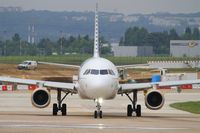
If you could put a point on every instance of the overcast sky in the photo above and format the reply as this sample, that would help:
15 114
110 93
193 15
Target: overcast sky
120 6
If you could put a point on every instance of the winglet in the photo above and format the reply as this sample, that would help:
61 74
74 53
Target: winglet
96 34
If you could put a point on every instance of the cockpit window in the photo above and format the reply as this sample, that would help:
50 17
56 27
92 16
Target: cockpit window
111 72
97 72
86 72
104 72
94 72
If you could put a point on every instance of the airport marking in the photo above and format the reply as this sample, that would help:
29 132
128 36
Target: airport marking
85 126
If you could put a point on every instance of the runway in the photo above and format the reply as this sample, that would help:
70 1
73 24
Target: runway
18 115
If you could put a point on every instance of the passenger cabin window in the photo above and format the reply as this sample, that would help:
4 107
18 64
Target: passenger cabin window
94 72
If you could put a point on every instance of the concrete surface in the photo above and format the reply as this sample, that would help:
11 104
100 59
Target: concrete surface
18 115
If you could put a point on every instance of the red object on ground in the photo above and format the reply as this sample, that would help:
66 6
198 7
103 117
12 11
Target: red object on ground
32 87
187 86
4 88
164 87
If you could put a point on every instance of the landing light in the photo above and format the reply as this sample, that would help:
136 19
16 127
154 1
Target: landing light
99 100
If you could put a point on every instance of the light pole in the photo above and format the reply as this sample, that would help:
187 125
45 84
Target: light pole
20 48
61 43
4 36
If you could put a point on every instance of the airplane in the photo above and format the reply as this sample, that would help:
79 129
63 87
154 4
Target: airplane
98 80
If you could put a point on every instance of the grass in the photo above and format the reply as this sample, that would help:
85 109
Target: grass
78 59
192 106
71 59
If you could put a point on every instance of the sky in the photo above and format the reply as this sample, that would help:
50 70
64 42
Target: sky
119 6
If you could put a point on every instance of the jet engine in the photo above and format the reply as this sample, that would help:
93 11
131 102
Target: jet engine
154 100
41 98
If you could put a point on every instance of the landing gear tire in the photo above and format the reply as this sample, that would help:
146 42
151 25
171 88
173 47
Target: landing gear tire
138 111
55 109
129 110
64 109
133 108
95 114
59 106
100 114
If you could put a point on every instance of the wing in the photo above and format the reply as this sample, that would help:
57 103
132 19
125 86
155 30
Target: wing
125 88
62 65
67 87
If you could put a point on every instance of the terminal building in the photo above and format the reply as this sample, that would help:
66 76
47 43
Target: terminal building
132 51
185 48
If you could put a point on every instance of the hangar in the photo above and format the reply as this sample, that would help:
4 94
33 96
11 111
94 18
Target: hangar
185 48
132 51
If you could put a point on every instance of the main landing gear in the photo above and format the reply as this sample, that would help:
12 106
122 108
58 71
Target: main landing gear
133 108
98 112
57 106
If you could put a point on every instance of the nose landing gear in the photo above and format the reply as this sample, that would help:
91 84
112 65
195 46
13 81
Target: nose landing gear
98 112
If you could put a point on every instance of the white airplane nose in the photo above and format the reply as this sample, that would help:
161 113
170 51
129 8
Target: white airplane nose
98 84
102 88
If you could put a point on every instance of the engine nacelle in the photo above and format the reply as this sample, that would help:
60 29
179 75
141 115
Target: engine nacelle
154 100
40 98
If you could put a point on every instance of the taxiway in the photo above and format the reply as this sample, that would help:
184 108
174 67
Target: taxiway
18 115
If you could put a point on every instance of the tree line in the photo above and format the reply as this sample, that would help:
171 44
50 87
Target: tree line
134 36
160 41
80 44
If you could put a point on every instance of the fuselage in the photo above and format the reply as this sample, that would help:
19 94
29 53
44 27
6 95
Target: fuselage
98 78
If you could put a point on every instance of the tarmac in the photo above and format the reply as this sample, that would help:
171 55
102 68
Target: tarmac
17 115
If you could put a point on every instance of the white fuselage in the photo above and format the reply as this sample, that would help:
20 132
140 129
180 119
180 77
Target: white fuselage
98 78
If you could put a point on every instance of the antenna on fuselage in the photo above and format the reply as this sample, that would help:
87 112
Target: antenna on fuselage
96 33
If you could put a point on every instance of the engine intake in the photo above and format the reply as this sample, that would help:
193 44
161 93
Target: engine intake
154 100
40 98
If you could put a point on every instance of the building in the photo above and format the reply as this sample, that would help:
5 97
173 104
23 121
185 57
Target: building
185 48
132 51
10 9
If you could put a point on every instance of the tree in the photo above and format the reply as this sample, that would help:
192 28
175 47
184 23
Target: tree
173 35
79 44
121 42
86 38
140 37
196 34
16 37
46 46
135 36
188 34
1 47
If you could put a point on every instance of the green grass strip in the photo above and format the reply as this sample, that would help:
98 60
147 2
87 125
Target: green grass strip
191 106
79 58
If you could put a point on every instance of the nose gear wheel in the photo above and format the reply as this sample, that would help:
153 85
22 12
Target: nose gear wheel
98 112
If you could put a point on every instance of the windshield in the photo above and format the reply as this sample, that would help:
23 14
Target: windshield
103 72
25 62
94 72
97 72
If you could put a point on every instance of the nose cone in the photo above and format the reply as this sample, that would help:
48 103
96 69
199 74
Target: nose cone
98 84
101 88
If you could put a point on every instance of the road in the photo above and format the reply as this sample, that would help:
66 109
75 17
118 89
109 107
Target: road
18 115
